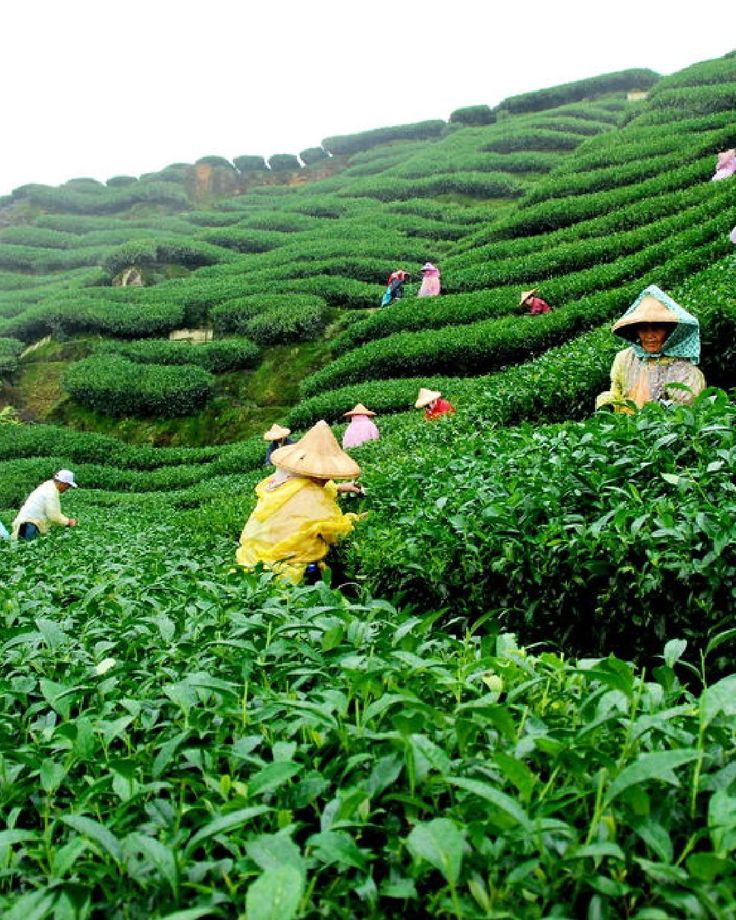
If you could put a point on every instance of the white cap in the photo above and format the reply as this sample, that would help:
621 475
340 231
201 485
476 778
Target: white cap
67 477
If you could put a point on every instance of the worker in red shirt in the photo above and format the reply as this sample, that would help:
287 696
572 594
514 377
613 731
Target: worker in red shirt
535 304
433 404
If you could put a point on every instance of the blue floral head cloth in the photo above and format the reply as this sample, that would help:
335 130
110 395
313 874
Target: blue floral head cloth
654 306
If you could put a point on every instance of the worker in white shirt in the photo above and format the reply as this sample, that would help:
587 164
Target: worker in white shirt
42 508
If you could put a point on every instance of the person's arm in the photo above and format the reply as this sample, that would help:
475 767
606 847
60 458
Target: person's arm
52 509
350 487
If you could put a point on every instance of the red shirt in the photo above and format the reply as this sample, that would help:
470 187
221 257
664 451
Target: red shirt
441 407
537 305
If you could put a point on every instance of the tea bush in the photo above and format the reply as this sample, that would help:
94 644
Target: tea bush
352 143
115 386
190 739
215 357
594 538
619 81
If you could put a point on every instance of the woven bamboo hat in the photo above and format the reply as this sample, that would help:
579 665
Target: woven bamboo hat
425 397
317 455
525 294
360 409
648 310
276 432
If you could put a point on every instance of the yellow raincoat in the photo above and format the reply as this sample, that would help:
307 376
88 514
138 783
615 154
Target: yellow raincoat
293 524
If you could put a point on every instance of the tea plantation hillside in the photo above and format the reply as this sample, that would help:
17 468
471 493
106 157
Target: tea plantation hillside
513 695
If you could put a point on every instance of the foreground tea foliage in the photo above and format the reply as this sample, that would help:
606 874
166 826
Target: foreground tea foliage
185 740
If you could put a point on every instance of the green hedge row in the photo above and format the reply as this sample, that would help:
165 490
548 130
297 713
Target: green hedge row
275 319
216 357
473 115
83 225
562 212
143 252
106 317
41 261
572 256
341 145
635 215
690 101
476 162
474 184
612 177
250 163
282 162
112 385
518 139
105 201
709 73
312 155
241 239
620 81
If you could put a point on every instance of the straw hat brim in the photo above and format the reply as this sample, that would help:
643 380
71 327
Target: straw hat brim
425 398
360 409
317 455
650 310
527 294
276 432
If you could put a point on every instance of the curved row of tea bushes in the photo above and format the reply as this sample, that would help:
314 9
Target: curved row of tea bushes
485 245
494 343
706 73
346 144
87 226
26 441
474 161
612 177
619 81
40 261
112 385
337 291
689 101
76 314
103 201
216 357
275 319
562 212
141 252
242 239
20 476
474 184
557 261
636 142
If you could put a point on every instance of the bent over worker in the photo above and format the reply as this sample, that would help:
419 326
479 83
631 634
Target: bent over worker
297 518
42 509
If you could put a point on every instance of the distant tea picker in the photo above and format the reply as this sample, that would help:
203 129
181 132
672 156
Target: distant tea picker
661 363
430 286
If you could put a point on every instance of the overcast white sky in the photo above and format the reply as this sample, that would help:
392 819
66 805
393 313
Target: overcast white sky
94 88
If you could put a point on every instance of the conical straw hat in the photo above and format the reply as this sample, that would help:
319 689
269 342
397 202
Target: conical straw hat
276 432
649 310
425 397
360 409
317 455
525 294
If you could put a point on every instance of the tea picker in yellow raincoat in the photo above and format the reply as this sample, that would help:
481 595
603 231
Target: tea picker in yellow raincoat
665 350
297 518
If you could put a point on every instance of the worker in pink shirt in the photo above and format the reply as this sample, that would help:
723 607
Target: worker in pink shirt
534 304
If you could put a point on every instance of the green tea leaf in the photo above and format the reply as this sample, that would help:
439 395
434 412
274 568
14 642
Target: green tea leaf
441 844
275 895
96 832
